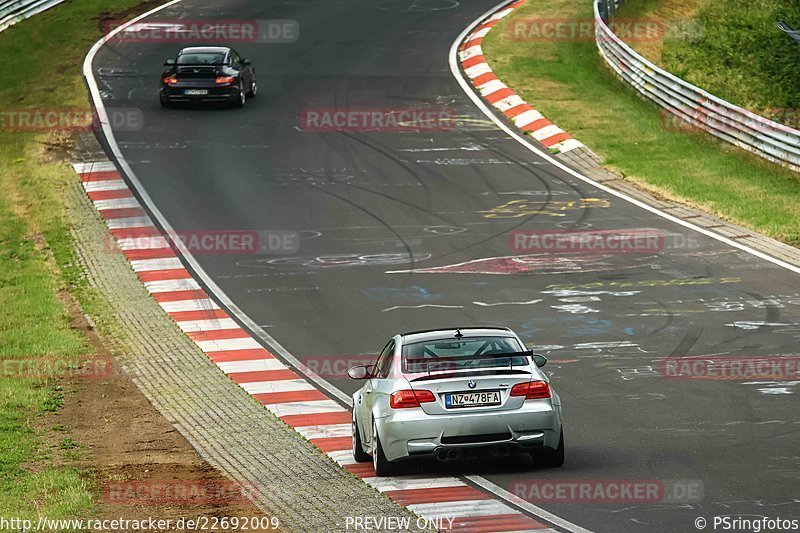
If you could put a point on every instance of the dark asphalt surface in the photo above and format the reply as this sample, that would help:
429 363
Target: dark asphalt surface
369 203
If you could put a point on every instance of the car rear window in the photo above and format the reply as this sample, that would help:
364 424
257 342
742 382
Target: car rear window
201 58
468 353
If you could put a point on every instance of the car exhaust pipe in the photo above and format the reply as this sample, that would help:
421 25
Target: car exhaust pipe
446 455
500 452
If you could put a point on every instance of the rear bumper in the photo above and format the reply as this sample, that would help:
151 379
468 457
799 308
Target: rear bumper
412 433
215 94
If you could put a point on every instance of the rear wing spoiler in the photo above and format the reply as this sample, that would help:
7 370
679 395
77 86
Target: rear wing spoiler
453 359
470 373
450 362
174 63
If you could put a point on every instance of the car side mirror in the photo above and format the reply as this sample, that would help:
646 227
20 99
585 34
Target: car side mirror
360 372
169 62
540 360
246 62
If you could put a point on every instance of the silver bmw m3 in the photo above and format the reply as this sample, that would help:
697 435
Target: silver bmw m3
453 393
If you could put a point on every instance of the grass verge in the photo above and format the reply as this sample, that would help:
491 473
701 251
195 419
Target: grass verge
735 50
39 274
569 83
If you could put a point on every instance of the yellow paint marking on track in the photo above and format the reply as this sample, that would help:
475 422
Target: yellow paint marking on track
525 208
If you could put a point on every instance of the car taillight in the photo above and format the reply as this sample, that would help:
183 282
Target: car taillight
404 399
170 80
532 390
225 79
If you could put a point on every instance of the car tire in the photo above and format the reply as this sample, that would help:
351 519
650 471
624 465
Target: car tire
358 450
382 465
165 102
553 457
240 101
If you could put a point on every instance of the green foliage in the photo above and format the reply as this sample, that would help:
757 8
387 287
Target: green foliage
741 56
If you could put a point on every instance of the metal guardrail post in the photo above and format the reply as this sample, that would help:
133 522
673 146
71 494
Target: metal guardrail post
788 30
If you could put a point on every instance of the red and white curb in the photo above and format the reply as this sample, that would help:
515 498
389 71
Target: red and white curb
499 95
318 418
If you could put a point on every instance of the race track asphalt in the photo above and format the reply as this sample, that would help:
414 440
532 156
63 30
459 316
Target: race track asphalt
375 209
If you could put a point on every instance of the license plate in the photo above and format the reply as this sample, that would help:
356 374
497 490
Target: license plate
472 399
195 92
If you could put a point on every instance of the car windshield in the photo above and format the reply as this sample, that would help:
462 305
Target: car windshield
201 58
468 353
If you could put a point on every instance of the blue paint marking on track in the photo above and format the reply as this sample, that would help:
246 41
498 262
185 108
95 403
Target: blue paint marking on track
387 295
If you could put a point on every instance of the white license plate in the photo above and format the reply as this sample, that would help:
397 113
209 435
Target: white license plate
472 399
195 92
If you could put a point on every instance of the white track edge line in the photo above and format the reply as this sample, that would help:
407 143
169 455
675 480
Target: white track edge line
507 496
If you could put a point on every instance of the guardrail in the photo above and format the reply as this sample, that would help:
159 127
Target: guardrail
788 30
694 106
13 11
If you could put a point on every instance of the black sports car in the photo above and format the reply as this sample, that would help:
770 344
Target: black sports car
208 74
